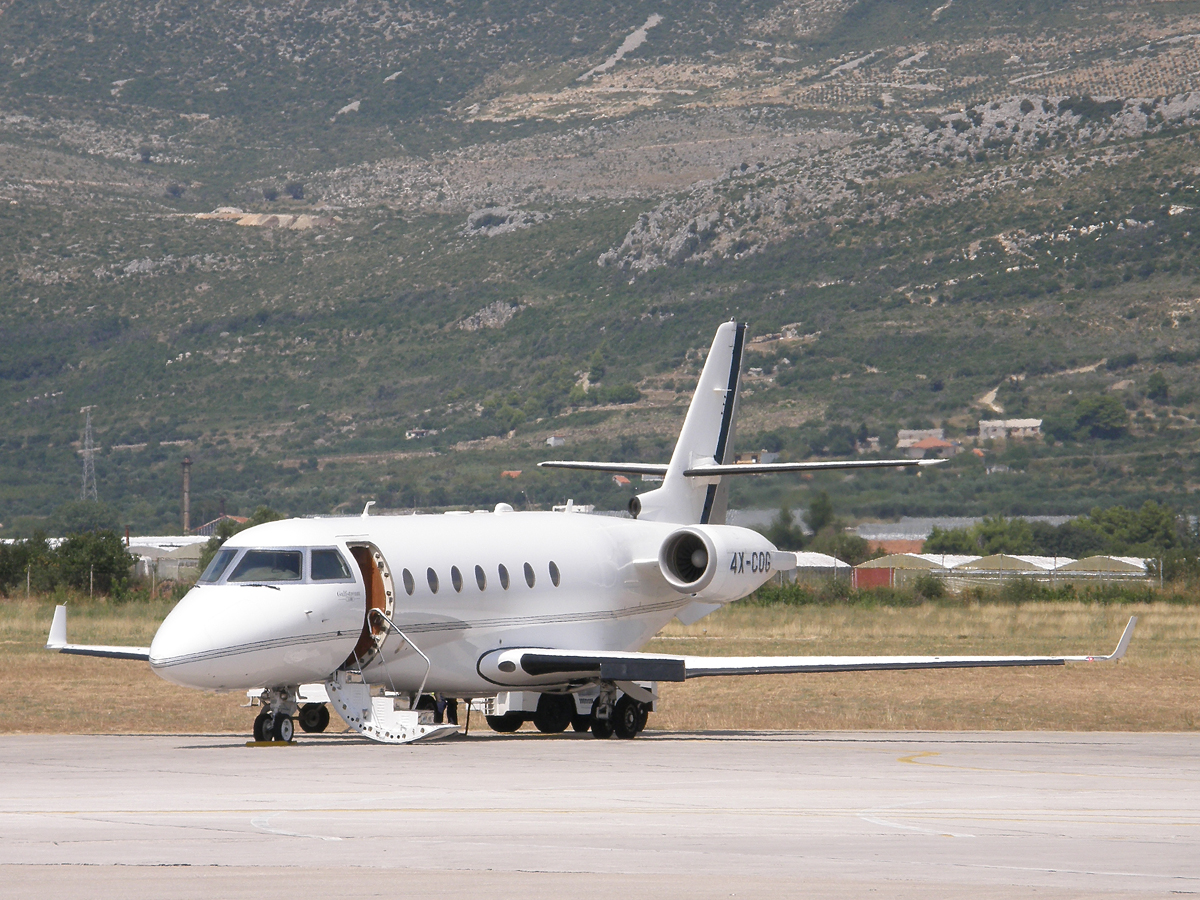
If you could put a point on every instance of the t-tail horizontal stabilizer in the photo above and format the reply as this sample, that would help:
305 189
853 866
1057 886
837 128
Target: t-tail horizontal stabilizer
58 641
739 468
533 667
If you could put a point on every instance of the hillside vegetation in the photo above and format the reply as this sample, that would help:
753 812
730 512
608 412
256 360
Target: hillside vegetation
495 222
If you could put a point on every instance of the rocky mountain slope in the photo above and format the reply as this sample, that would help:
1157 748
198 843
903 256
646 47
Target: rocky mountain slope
491 222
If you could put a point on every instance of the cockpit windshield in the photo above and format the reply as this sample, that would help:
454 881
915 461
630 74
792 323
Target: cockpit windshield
269 565
217 567
328 565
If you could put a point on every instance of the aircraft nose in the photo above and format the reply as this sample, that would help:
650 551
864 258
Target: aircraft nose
229 637
182 640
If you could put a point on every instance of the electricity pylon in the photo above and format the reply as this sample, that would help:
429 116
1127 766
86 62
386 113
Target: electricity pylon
89 458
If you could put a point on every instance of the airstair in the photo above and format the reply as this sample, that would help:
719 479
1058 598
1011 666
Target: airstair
375 714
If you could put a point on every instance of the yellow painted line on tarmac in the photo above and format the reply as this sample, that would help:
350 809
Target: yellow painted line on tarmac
914 757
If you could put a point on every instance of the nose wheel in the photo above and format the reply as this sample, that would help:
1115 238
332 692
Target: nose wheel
268 727
275 722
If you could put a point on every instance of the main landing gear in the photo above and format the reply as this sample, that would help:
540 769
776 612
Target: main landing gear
626 718
611 712
313 718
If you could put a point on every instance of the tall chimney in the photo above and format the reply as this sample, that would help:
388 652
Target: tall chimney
187 495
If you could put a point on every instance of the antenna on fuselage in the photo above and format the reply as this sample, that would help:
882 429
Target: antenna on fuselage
367 509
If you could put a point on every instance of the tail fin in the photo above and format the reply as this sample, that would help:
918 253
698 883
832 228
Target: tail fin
706 439
694 488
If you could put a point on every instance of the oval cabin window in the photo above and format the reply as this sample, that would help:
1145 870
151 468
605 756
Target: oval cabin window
409 584
433 581
503 577
480 578
456 579
554 575
529 579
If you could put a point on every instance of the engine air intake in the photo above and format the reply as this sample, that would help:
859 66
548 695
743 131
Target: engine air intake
686 560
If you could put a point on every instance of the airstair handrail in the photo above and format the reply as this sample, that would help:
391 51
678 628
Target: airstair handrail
409 641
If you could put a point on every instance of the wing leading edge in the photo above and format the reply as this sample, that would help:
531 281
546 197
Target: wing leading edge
527 667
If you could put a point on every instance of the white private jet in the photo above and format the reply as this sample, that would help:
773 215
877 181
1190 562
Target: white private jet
387 610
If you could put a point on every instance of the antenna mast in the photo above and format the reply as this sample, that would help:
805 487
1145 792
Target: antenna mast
89 458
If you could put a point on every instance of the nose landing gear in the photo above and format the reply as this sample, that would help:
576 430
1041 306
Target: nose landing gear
275 723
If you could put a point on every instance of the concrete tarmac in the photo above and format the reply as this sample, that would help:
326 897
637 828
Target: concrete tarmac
667 815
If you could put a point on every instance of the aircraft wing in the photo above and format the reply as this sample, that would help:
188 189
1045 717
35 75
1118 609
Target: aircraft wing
531 666
58 641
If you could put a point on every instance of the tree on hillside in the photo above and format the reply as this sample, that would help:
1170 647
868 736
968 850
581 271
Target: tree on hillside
1157 388
80 516
1102 417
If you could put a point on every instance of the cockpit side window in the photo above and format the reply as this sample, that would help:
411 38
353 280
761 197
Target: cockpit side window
217 567
269 565
329 565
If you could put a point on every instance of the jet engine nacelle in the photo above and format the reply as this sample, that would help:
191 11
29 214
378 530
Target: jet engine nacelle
717 563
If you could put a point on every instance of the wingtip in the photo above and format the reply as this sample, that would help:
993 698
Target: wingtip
931 462
57 638
1126 637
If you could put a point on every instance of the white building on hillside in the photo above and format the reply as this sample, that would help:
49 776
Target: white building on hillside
999 429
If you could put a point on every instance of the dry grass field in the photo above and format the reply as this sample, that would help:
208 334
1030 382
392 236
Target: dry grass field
1156 688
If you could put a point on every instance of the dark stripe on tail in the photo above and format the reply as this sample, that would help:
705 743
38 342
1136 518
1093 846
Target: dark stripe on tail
735 368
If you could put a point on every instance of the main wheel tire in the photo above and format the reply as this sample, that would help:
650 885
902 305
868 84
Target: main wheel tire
627 716
505 724
260 727
601 728
581 723
282 729
554 713
314 717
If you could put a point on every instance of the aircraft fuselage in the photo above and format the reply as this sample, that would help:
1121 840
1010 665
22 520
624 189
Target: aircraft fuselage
457 585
